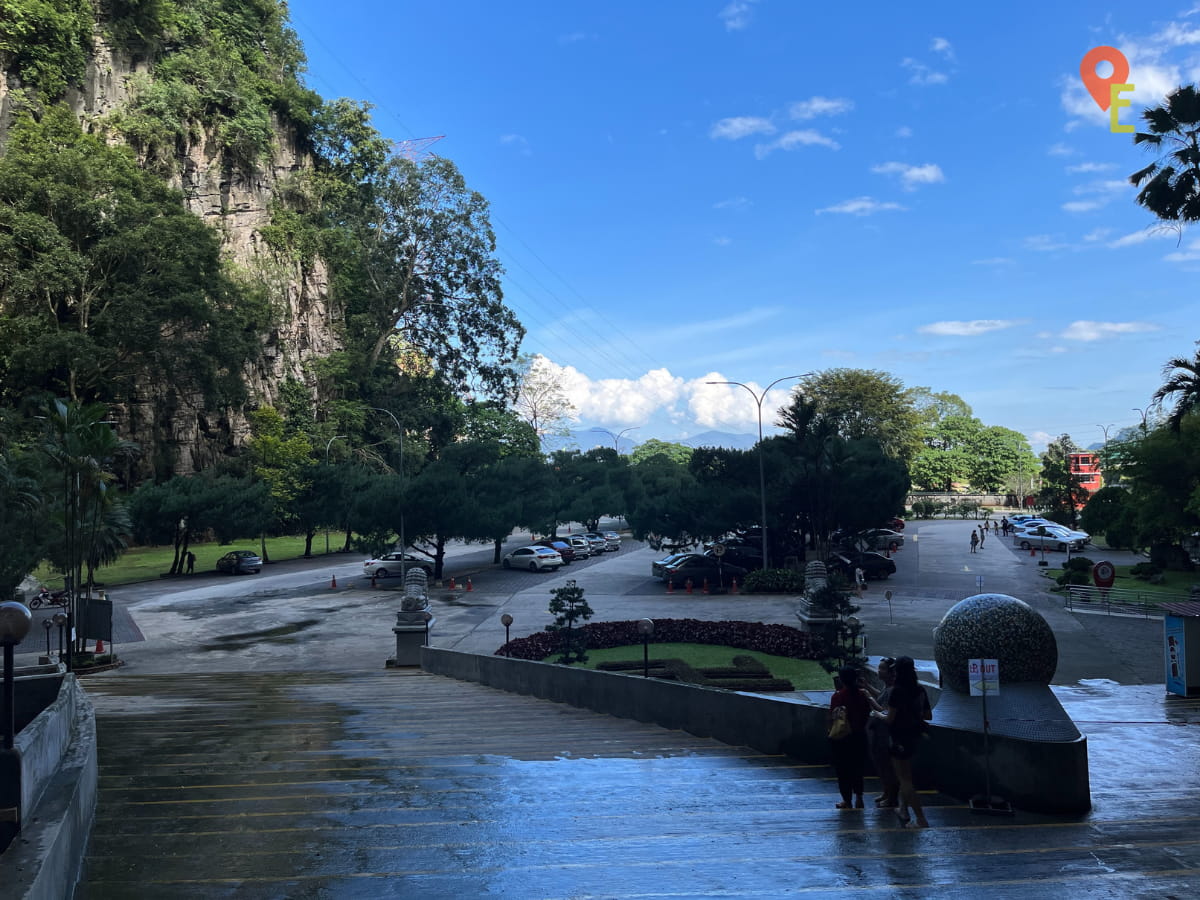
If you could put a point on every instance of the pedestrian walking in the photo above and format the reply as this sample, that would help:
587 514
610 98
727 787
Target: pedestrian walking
982 536
860 581
879 740
974 540
191 563
849 710
908 711
1004 526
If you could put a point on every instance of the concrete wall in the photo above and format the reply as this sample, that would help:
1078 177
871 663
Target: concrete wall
58 790
1040 776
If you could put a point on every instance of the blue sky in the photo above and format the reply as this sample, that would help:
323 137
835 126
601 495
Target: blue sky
691 191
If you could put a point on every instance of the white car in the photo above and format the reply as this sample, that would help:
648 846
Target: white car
389 564
532 558
581 545
1051 537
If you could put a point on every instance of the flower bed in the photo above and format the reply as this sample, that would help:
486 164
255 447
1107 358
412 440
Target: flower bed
779 640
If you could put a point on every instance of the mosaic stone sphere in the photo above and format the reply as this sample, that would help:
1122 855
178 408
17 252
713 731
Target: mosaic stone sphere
995 626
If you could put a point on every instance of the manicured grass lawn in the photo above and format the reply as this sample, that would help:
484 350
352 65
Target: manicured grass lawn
805 674
1175 583
147 563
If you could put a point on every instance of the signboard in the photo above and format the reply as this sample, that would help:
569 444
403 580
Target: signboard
1103 574
718 549
1175 658
984 676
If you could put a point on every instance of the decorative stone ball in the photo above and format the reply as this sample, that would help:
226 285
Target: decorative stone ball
999 627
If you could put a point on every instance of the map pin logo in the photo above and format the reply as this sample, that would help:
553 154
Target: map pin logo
1099 87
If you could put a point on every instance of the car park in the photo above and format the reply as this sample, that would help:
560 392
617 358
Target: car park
533 558
1051 537
564 548
697 567
240 562
390 564
614 539
595 542
874 565
581 545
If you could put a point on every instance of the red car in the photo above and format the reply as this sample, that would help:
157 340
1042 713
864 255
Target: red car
896 524
563 548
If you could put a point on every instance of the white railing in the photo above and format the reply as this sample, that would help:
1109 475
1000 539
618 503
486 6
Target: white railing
1120 601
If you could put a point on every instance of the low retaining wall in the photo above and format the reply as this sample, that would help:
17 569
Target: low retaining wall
58 797
1036 775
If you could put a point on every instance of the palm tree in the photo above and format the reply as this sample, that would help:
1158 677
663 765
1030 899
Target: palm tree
1182 380
1170 187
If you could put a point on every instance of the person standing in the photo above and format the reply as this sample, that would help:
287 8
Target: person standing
1004 526
982 536
974 540
908 711
191 563
879 740
850 752
860 581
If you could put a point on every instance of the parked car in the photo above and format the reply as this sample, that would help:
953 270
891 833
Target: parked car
874 565
659 566
581 545
895 523
1051 537
240 562
389 564
697 567
595 542
614 539
1021 517
1031 522
565 550
533 558
881 539
739 553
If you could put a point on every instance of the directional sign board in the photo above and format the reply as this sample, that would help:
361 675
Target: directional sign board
983 676
718 549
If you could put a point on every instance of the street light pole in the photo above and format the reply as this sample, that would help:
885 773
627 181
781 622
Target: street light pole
762 478
1143 414
616 438
327 445
403 543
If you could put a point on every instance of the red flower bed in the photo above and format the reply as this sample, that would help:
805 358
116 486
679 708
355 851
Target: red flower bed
778 640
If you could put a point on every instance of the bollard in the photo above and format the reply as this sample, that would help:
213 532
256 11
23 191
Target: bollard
704 587
333 580
470 587
688 585
1032 551
733 586
670 585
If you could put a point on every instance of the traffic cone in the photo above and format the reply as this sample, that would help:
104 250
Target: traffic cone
733 586
99 646
704 587
451 584
688 585
333 580
670 585
1032 551
470 587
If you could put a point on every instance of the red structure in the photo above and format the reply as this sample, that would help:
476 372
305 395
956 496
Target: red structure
1085 465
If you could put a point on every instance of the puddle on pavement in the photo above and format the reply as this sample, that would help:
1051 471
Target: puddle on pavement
280 634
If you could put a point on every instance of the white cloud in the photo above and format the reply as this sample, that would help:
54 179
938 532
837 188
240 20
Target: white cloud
722 241
616 401
1140 237
820 106
1191 254
737 127
1083 168
993 261
794 139
1097 234
1095 331
1078 206
861 206
729 406
904 132
1060 149
732 203
968 329
737 14
922 74
1100 192
1044 243
1110 186
517 141
942 46
911 177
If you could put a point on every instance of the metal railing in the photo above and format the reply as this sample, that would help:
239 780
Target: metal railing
1118 601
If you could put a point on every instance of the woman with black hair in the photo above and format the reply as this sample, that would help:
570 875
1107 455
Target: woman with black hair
849 752
908 711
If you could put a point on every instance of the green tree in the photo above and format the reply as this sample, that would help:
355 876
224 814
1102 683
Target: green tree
1162 471
570 610
1111 512
676 453
283 462
1170 186
861 403
23 518
45 43
1061 493
1183 383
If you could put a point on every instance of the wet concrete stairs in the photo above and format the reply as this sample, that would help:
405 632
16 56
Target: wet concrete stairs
410 785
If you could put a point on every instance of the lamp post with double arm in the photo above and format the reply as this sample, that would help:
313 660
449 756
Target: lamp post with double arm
762 478
616 438
403 543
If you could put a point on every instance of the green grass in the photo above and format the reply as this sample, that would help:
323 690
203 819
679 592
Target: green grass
1175 583
805 674
147 563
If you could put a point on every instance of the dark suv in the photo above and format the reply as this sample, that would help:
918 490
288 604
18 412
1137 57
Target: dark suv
874 565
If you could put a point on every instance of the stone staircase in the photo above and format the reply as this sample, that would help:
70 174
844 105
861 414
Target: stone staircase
403 784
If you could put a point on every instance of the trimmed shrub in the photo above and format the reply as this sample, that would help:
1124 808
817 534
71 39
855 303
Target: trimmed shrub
1145 571
774 581
778 640
1072 576
1079 564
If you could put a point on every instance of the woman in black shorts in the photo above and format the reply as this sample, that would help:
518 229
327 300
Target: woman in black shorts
908 711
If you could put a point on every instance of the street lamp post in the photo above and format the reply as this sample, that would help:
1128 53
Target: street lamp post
762 478
328 443
1143 414
616 438
403 543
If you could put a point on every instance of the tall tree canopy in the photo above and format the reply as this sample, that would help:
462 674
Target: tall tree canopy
862 403
1182 384
1170 186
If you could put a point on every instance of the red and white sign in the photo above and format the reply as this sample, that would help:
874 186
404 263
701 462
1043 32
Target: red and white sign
1103 574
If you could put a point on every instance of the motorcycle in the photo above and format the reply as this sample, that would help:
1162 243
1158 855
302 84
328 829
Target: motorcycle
49 598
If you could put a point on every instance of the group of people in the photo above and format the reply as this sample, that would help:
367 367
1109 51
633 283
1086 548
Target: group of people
979 533
886 725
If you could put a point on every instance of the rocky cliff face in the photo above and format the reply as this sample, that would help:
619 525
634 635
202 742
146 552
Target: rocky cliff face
236 203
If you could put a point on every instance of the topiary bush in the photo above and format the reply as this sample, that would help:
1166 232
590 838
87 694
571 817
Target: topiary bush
1078 564
774 581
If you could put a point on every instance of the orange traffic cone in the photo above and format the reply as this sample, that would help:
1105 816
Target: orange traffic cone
1032 551
451 584
670 585
470 587
688 585
333 580
704 587
733 586
99 646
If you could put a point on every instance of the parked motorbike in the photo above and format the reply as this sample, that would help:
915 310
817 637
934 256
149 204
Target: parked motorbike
49 598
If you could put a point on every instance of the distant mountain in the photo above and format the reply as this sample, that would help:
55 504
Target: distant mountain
721 439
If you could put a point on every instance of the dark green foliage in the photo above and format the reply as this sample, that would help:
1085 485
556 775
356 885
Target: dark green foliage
1110 512
569 610
45 43
1079 564
1062 493
839 640
1074 577
1145 570
746 673
774 581
24 517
